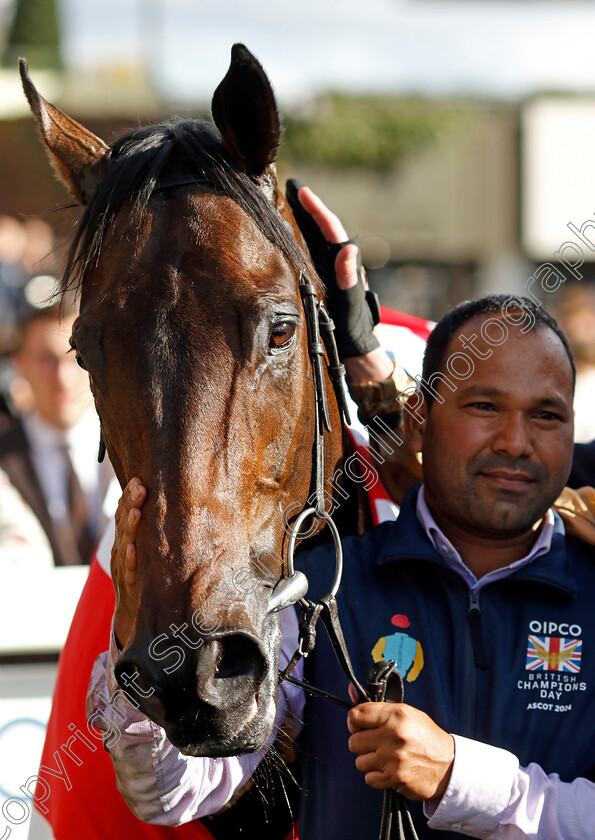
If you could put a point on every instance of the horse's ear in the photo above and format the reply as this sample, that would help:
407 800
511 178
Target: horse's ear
245 112
76 154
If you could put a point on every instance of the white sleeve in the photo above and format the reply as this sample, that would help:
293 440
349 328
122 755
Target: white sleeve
159 784
491 797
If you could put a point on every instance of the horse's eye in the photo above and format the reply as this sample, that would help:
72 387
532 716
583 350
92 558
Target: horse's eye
79 360
282 336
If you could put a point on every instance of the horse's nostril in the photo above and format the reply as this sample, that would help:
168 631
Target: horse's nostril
130 675
138 681
240 657
230 670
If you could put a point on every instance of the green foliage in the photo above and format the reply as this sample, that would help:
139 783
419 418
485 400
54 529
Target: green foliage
365 131
35 33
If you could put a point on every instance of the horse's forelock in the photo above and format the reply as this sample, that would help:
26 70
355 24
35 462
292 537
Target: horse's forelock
155 157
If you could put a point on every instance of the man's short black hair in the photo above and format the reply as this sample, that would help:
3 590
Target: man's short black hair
434 356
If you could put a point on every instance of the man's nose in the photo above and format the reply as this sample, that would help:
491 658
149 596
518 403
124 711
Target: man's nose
514 435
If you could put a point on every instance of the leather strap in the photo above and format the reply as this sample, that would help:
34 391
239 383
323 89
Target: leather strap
330 619
385 685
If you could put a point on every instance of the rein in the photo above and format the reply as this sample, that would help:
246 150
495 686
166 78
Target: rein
384 682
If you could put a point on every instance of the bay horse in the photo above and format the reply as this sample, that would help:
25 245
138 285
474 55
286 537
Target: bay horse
193 332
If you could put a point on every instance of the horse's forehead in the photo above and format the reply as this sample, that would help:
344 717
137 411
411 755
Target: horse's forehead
223 230
204 232
192 255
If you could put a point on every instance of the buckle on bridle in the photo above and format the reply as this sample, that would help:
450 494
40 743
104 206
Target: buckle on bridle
292 587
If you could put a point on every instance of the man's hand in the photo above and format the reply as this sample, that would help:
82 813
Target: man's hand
123 560
402 748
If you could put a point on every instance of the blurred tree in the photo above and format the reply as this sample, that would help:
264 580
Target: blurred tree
366 131
35 34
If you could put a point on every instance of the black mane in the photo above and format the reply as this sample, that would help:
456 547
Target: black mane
155 157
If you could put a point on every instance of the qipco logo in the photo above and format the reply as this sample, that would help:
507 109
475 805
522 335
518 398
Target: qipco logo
553 628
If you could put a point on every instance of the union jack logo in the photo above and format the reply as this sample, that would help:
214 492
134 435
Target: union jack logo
551 653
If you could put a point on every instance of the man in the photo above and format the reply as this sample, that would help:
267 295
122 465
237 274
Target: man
50 453
475 591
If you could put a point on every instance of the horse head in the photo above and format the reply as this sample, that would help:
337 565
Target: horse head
192 330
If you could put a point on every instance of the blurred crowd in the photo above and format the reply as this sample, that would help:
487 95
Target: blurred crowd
52 486
576 316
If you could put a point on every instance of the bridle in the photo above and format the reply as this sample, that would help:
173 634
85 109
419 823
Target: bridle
293 585
384 682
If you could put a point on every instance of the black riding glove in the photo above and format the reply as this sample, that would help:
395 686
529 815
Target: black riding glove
355 311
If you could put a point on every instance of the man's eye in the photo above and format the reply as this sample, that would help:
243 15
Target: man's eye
548 415
482 406
282 336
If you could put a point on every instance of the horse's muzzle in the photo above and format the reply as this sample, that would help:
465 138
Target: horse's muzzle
217 696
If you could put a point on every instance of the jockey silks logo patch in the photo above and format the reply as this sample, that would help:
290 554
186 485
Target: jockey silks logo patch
403 649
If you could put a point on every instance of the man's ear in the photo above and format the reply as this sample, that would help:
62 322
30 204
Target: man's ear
415 414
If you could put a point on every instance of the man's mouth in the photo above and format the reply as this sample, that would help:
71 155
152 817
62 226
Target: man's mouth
508 479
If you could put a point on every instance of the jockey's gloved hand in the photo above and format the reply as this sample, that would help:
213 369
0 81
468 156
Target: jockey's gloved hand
355 310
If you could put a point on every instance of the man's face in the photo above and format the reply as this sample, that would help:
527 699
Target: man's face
497 452
59 386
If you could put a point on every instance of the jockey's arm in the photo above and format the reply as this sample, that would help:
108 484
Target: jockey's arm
374 381
376 364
